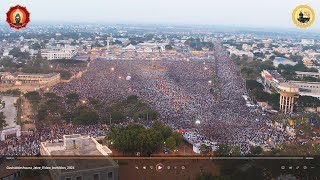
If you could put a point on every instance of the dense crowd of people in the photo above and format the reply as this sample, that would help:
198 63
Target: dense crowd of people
29 144
181 90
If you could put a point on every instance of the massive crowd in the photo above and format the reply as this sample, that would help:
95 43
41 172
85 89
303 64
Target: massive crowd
28 144
181 90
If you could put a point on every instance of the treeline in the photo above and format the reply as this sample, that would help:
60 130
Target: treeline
197 44
307 101
14 92
136 138
288 71
40 65
48 109
132 108
257 93
251 69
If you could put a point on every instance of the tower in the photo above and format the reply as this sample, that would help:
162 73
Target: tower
108 44
288 92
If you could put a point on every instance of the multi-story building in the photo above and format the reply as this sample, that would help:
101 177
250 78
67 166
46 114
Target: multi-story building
307 42
74 146
240 53
38 78
26 78
308 74
272 78
58 53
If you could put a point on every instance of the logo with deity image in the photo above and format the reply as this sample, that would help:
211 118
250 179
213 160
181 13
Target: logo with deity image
18 17
303 16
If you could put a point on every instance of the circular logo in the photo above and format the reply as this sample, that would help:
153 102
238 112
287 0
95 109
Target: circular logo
303 16
18 17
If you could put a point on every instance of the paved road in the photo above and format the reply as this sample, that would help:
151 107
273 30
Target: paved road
10 111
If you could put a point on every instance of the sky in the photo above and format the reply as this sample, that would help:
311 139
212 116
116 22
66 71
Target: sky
251 13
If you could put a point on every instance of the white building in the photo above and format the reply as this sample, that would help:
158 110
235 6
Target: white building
240 53
308 74
273 79
58 54
6 52
284 61
307 42
77 145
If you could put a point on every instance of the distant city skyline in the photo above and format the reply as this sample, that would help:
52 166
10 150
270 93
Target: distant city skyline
245 13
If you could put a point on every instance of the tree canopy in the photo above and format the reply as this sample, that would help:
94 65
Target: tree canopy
136 138
3 122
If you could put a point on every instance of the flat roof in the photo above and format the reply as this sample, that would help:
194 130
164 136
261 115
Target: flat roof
89 148
55 149
280 59
309 73
289 85
43 75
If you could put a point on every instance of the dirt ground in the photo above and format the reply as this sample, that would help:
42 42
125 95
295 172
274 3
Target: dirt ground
22 88
26 111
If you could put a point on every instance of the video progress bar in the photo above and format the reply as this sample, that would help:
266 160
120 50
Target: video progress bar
160 158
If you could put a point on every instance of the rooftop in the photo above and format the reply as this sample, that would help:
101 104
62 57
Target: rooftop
280 59
276 75
75 145
43 75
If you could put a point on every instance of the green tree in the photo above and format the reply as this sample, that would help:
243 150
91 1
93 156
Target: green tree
72 98
136 138
177 137
308 101
168 47
33 96
317 149
171 143
166 131
16 52
256 150
50 95
235 151
66 75
3 122
253 84
223 150
84 115
117 116
42 113
36 46
153 142
7 62
204 149
37 65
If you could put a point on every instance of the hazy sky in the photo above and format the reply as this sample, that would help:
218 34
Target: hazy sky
254 13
